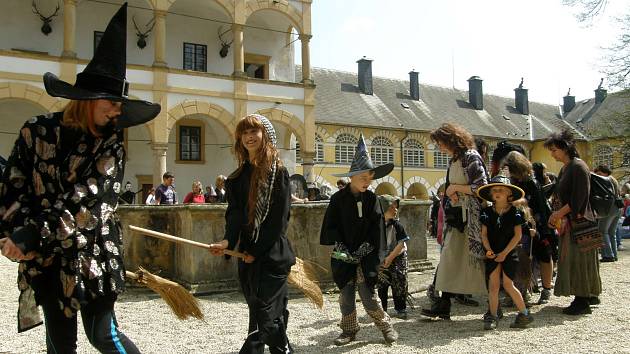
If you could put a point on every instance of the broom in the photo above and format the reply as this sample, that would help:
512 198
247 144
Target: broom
181 302
302 274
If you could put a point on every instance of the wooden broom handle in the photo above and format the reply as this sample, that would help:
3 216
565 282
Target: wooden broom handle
176 239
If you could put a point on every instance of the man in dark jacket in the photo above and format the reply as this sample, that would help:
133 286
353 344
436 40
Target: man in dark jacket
353 224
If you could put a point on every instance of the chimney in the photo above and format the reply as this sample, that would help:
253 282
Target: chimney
414 85
475 92
520 99
365 76
600 93
568 102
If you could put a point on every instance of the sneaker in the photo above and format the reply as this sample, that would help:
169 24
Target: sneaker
466 300
545 295
488 314
490 322
522 321
345 338
390 335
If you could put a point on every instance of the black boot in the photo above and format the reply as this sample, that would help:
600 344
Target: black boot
441 309
579 306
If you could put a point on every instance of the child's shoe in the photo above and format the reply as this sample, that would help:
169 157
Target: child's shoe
490 322
522 320
402 314
345 338
390 335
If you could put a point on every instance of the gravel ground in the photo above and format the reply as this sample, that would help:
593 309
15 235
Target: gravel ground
146 319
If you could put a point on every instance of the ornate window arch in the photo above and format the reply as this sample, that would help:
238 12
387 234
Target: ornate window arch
603 156
344 148
413 153
382 150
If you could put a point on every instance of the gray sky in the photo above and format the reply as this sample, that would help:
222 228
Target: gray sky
447 41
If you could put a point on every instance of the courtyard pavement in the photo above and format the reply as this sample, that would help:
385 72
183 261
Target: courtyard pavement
145 318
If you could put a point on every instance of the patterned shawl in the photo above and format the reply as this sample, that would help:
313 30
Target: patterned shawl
263 195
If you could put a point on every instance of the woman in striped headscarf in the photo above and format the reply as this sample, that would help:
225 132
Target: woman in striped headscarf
258 196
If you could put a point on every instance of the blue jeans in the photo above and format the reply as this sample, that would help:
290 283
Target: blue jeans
608 228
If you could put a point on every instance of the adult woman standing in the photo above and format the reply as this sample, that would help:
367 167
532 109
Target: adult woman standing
59 199
578 270
219 189
258 196
521 175
461 269
196 196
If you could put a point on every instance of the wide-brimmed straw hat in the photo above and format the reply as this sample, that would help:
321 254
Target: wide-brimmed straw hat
363 163
499 180
104 76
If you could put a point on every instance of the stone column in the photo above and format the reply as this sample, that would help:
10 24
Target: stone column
239 50
306 58
307 166
69 28
160 38
159 161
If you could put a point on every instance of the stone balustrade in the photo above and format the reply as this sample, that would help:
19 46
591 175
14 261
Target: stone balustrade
196 269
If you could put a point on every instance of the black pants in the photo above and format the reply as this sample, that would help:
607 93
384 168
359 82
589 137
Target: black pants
267 298
99 323
398 283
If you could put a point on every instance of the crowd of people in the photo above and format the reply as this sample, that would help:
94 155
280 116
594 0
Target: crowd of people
503 227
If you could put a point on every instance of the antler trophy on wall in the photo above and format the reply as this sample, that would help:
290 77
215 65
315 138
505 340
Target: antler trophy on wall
142 36
225 46
46 29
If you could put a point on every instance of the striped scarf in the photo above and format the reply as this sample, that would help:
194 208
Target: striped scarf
265 188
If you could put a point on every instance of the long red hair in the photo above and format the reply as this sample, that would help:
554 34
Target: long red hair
261 163
80 115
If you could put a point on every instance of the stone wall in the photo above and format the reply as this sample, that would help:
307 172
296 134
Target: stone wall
196 269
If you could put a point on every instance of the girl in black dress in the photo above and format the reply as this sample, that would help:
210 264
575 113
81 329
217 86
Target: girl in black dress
258 196
501 231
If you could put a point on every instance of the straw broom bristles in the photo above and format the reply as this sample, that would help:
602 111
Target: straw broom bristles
302 275
181 302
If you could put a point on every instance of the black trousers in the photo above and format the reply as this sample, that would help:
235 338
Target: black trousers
267 298
99 323
398 283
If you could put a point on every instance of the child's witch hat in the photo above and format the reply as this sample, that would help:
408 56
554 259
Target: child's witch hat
363 163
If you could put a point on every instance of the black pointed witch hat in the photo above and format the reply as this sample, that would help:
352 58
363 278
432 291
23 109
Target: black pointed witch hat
104 76
363 163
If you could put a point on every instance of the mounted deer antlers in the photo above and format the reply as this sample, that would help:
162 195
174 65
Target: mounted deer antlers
46 29
224 45
142 36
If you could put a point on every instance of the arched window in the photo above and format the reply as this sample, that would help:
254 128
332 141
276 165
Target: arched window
344 148
413 153
603 156
319 148
440 159
382 151
298 154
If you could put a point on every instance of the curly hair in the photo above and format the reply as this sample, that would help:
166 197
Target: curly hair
563 140
455 137
519 166
261 162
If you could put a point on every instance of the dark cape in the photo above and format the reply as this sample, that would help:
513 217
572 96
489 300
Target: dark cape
342 225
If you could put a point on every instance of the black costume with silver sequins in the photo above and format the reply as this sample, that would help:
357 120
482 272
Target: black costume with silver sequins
63 184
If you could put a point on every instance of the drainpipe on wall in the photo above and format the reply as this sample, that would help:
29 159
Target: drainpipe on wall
402 166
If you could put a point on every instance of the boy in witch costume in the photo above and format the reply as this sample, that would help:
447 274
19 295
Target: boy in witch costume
353 224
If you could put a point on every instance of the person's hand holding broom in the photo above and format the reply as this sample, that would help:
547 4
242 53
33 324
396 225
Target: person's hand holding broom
218 249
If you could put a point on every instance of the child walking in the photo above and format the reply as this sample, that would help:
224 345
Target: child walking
393 256
501 230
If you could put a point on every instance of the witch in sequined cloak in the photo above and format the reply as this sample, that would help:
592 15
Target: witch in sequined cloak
59 192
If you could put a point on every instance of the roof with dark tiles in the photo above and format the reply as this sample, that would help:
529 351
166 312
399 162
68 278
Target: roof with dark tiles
602 119
339 101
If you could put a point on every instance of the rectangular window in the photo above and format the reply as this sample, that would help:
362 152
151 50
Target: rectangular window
189 143
319 152
344 153
440 159
382 155
97 39
414 157
195 57
298 155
